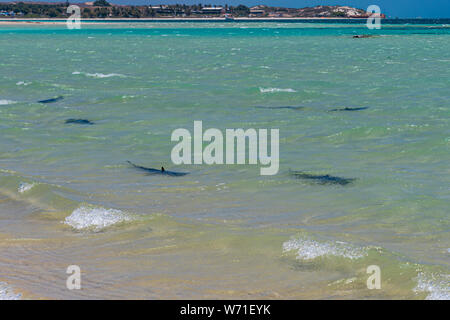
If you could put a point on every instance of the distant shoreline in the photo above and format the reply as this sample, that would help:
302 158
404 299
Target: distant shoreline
92 21
52 21
182 19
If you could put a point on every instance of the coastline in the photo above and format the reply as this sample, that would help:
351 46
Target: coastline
6 21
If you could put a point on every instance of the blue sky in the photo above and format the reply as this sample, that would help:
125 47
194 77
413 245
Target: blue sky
393 8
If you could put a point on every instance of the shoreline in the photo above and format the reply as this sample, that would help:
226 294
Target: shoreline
105 21
186 19
45 21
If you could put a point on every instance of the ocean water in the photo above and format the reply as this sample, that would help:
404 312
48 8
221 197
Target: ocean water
68 196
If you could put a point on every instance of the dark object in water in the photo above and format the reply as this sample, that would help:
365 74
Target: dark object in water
51 100
359 36
321 179
79 121
349 109
156 171
281 107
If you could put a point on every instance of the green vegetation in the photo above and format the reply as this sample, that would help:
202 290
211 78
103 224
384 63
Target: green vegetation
101 3
338 14
102 9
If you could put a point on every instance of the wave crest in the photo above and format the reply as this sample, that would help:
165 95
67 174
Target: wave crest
308 249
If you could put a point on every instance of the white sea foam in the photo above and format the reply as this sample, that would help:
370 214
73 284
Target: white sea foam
308 249
5 102
23 83
437 286
96 218
273 90
24 187
6 293
99 75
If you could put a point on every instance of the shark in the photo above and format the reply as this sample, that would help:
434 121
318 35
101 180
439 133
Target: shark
51 100
322 179
161 171
79 121
349 109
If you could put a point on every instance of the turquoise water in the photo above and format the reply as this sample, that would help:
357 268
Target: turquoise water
67 195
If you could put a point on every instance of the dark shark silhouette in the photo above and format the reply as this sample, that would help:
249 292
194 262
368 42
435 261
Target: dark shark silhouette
321 179
158 171
360 36
349 109
79 121
51 100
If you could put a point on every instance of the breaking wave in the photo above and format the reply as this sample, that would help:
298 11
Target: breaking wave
24 187
97 218
308 249
6 293
437 286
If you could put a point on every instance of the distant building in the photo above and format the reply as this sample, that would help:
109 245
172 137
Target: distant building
211 10
7 14
257 12
163 9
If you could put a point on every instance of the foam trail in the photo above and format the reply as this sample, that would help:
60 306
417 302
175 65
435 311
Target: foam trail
308 249
273 90
96 218
6 293
5 102
100 75
437 286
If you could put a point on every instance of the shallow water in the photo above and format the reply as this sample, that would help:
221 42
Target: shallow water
68 196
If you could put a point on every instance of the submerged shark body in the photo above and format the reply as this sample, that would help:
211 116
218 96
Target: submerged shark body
322 179
360 36
51 100
349 109
79 121
157 171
